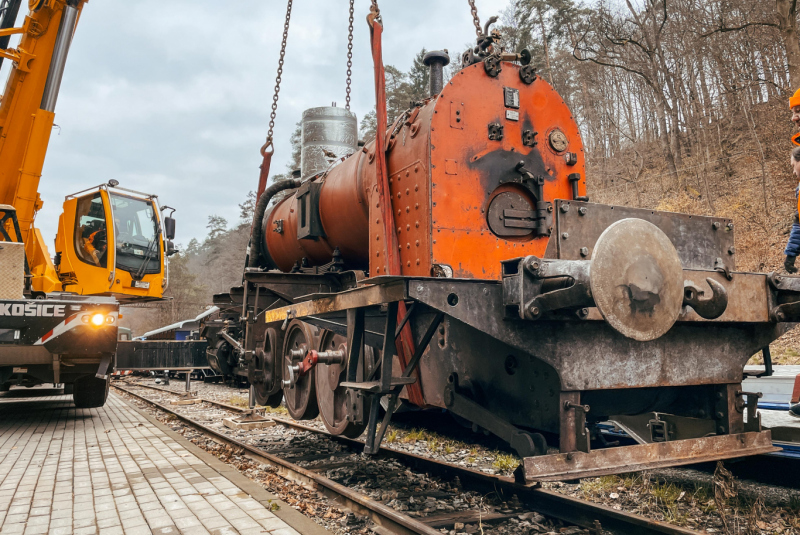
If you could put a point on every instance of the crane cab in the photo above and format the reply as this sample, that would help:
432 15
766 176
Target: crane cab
114 241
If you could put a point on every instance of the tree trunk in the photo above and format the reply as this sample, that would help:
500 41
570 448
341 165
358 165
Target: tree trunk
787 25
664 138
546 47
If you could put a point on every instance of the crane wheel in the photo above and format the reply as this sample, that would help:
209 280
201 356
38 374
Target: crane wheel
90 392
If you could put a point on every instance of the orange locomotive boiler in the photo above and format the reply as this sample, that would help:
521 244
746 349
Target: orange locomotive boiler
519 307
472 172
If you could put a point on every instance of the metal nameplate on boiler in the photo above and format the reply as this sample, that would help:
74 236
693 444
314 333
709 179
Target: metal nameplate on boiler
511 97
512 115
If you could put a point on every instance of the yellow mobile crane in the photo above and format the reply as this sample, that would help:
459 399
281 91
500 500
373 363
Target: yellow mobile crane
112 243
109 239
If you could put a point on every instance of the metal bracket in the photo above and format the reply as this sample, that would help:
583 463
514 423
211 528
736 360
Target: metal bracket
495 131
102 370
524 443
375 434
582 436
659 430
720 266
529 138
309 224
533 286
753 422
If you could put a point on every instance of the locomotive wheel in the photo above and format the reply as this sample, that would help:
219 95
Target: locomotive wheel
260 368
301 400
331 397
275 399
218 357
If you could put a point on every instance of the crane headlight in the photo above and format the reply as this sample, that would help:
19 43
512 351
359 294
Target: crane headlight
98 319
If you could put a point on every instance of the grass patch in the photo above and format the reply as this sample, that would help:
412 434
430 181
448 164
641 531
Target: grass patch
391 436
505 462
667 494
280 409
599 485
416 434
239 401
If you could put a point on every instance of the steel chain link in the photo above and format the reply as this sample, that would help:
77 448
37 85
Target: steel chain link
475 20
280 72
349 56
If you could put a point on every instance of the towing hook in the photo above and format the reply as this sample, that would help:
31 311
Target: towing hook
711 308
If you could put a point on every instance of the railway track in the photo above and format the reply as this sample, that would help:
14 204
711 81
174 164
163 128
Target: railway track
596 518
775 469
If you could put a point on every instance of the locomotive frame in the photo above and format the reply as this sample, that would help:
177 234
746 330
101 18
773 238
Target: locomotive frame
698 415
520 307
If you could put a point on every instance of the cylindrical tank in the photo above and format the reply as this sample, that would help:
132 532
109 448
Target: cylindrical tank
328 133
458 168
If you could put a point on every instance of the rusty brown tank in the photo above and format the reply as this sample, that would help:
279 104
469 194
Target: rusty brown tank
459 197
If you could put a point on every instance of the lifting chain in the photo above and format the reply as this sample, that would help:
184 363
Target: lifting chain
278 77
475 20
349 56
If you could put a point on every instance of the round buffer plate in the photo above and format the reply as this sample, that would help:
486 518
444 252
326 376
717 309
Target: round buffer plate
637 279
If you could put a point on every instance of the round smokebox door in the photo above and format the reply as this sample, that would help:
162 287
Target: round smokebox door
510 214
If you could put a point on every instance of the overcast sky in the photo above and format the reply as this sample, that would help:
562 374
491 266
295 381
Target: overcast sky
173 97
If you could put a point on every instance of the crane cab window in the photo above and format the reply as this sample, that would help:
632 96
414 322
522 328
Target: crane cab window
137 234
91 242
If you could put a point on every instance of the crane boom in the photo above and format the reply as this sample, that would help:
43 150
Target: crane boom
27 114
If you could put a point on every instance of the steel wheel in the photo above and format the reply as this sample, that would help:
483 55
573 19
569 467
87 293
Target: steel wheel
331 397
262 367
218 357
301 399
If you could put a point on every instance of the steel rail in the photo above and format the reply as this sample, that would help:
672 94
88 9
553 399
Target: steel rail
382 515
570 510
225 406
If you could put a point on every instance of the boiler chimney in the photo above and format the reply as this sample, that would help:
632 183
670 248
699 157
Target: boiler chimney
436 60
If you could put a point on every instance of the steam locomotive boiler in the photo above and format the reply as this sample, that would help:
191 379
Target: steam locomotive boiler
519 306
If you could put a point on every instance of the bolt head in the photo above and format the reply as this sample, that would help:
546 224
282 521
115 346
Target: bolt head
564 207
582 210
565 235
715 225
584 251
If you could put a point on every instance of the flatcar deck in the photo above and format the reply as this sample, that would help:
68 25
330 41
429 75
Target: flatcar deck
114 470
